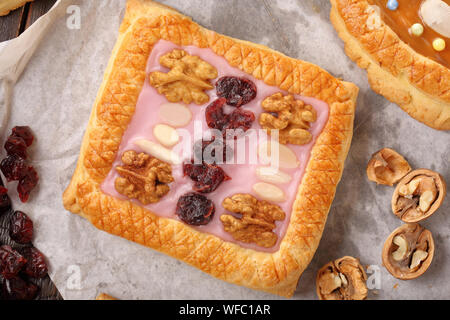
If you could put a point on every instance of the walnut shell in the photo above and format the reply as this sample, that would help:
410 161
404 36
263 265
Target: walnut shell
418 195
412 262
342 279
387 167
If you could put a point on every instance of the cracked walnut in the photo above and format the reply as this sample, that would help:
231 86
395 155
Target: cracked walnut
257 221
188 78
290 116
143 177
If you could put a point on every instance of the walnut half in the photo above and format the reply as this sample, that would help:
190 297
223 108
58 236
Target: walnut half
342 279
387 167
257 221
418 195
291 117
143 177
408 251
188 78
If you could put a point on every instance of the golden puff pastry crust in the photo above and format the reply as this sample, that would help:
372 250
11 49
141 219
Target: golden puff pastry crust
144 24
6 6
419 85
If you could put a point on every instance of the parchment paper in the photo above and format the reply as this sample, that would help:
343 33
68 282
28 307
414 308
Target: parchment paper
56 91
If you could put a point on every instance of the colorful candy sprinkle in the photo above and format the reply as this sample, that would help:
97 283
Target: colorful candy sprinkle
417 29
439 44
392 5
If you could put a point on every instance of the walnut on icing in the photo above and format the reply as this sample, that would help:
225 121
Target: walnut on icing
342 279
408 251
418 195
257 221
387 167
143 177
188 78
290 116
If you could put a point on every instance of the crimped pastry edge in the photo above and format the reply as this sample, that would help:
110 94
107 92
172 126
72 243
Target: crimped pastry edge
12 6
146 22
423 90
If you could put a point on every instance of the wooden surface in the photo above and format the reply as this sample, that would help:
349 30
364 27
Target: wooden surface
19 20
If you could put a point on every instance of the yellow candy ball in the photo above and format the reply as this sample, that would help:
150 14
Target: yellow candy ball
439 44
417 29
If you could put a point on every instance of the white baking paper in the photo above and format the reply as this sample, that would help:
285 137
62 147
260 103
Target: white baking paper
63 59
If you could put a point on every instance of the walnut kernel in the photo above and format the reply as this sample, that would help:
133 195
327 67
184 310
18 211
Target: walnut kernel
342 279
257 221
188 78
408 251
143 177
290 116
418 195
387 167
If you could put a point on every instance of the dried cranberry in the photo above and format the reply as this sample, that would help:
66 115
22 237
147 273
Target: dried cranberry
238 119
24 133
205 151
237 91
36 266
5 202
16 288
12 167
195 209
16 146
215 116
28 180
11 262
21 228
207 177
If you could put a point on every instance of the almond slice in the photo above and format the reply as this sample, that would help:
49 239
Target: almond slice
175 114
166 135
272 175
269 192
158 151
286 157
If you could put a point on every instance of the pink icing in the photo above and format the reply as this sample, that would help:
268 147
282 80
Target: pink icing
243 176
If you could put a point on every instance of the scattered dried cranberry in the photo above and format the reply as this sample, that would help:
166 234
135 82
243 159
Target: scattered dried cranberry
195 209
11 262
28 180
36 266
238 119
205 151
21 228
207 177
12 167
16 288
24 133
5 202
16 146
237 91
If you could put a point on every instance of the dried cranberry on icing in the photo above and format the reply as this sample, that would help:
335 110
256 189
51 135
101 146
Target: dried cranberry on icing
12 167
24 133
205 151
28 180
21 228
207 177
195 209
237 91
16 288
16 146
36 266
238 119
11 262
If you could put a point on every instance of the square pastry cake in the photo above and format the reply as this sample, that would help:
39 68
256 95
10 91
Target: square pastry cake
219 152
